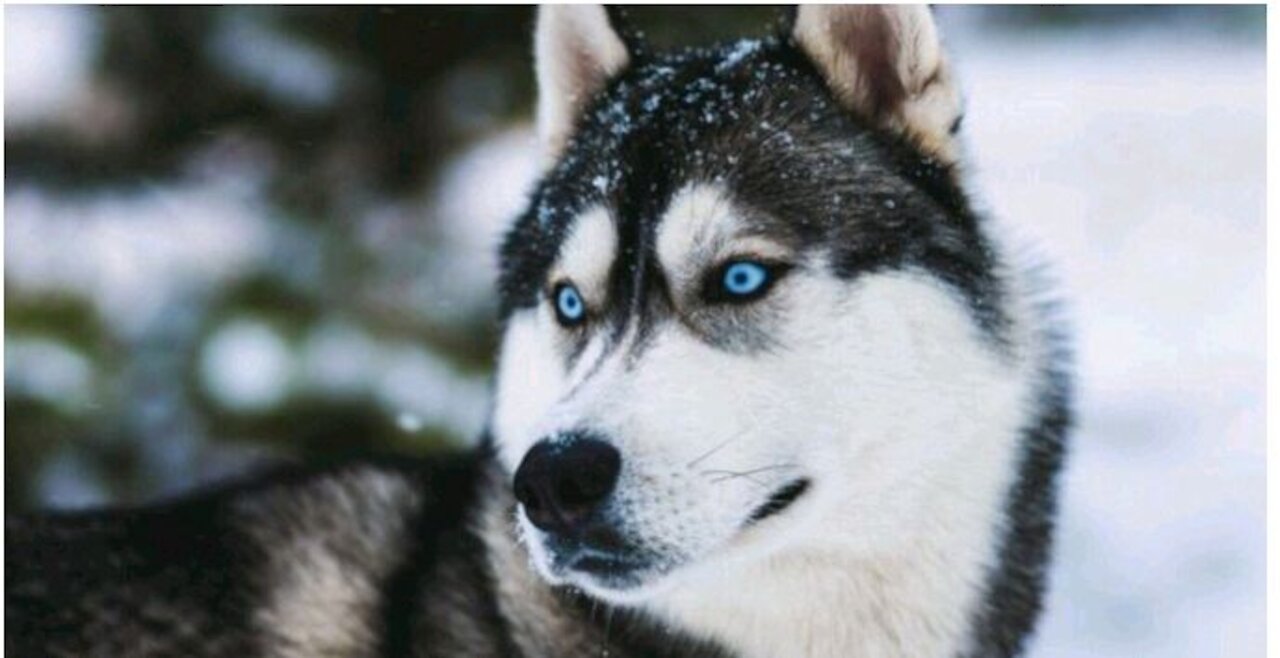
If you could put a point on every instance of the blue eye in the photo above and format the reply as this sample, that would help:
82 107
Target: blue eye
570 309
745 279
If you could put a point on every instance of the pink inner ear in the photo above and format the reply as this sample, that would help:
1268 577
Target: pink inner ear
868 37
576 51
586 72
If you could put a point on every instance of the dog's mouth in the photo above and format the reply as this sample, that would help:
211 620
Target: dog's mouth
604 560
781 499
617 571
602 555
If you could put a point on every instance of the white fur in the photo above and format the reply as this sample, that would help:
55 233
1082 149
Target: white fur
576 52
531 375
882 391
906 500
587 254
530 379
323 598
701 228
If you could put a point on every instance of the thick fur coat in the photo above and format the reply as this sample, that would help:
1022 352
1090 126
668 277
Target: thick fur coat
768 386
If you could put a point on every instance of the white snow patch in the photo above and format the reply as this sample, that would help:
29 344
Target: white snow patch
338 359
48 61
739 52
411 384
68 482
417 383
246 366
479 195
1137 163
293 72
409 423
133 253
48 370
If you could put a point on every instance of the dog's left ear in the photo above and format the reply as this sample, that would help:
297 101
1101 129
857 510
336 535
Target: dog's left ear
576 52
885 63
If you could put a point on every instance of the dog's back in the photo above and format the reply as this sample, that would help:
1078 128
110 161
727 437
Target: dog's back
291 564
127 583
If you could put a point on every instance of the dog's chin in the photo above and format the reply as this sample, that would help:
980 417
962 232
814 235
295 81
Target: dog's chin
619 574
621 577
619 584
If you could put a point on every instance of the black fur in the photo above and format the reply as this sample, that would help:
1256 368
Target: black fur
191 577
94 584
1015 589
757 117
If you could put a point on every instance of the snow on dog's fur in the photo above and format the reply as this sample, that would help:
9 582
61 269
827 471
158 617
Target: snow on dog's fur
894 385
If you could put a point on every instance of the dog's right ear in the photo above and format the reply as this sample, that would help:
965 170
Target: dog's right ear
576 52
886 63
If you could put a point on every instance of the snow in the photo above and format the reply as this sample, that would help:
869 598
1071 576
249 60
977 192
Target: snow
246 365
49 53
1136 165
409 423
73 482
415 383
48 370
135 253
479 193
291 71
739 52
338 359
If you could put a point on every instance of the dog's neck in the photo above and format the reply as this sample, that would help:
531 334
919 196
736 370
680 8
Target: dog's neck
917 598
966 577
821 603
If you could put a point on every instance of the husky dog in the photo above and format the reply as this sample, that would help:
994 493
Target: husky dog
768 386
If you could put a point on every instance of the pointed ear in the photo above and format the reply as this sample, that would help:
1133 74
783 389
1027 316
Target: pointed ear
576 51
885 63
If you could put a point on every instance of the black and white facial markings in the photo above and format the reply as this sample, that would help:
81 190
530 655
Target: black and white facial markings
752 272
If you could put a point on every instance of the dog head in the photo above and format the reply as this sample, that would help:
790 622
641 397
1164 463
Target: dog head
748 303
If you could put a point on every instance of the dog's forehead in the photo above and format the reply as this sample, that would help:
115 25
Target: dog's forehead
751 123
704 223
699 221
697 218
588 253
703 115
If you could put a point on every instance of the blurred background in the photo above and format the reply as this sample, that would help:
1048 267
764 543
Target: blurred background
238 234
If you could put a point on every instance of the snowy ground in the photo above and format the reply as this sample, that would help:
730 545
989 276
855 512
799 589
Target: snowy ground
1137 165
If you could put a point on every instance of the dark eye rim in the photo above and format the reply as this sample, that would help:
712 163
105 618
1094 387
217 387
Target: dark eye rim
713 283
553 296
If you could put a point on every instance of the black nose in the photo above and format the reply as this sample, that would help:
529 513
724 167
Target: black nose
563 480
